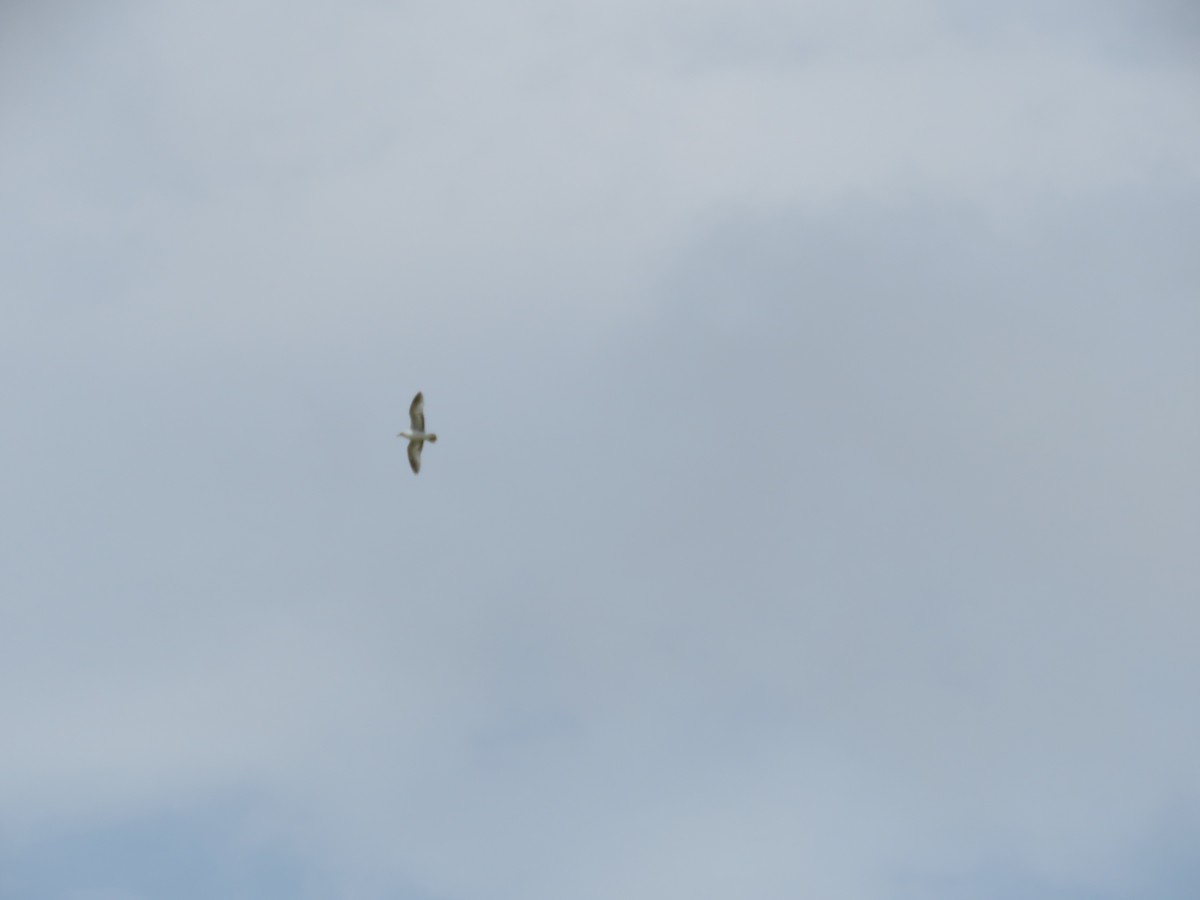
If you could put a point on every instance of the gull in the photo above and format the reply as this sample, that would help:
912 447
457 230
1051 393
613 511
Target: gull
418 436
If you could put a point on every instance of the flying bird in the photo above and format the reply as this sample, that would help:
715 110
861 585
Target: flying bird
418 436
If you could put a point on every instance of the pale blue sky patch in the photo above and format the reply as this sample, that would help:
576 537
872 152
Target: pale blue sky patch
189 853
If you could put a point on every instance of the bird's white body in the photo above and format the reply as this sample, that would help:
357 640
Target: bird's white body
418 435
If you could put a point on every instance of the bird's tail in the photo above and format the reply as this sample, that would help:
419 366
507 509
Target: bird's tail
432 438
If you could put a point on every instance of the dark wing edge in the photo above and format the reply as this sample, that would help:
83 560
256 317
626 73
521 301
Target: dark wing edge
414 455
416 412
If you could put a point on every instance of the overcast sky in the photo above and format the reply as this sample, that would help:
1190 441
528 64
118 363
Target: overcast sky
817 506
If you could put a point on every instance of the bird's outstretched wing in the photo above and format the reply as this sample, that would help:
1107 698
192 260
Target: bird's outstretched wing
414 455
416 412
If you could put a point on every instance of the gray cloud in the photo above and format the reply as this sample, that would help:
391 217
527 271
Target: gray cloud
816 503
